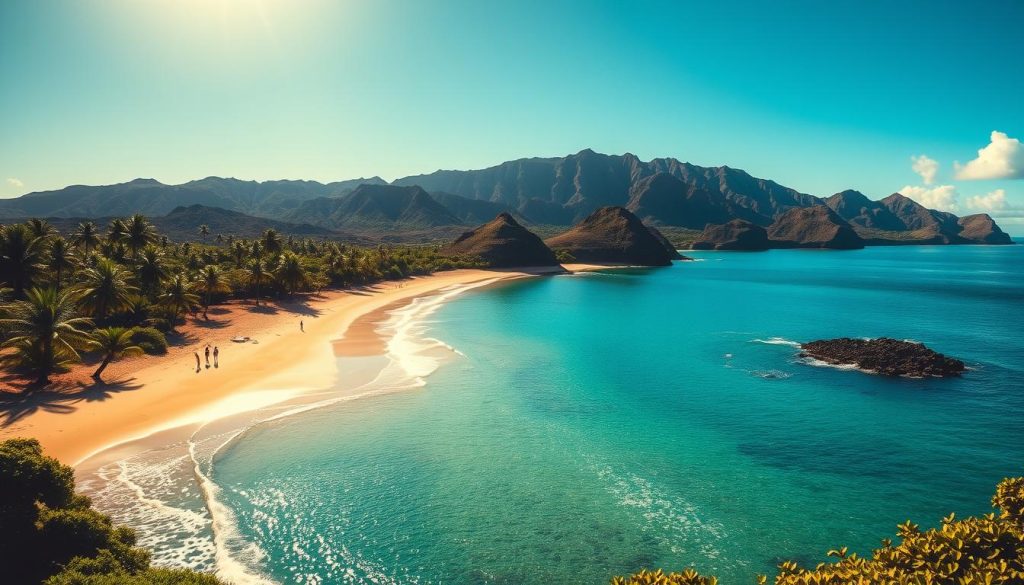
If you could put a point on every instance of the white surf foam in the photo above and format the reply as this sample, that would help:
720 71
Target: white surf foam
777 341
170 494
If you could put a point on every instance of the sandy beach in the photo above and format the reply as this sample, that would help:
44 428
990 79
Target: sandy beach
74 419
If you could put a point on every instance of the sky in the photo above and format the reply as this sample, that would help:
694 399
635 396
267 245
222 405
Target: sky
923 98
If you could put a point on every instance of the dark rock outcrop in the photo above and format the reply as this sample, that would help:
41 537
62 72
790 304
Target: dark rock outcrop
612 235
889 357
981 229
503 243
737 234
813 227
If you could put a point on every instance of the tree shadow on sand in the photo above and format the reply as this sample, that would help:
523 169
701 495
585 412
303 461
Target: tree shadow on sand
209 324
60 397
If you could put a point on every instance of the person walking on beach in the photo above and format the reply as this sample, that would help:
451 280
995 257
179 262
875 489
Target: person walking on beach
196 353
207 356
216 357
302 327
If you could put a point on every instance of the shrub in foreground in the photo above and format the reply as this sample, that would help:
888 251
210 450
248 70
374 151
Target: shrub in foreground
51 534
986 550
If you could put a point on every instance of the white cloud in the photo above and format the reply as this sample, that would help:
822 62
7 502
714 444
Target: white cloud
994 201
1003 158
942 197
16 183
926 167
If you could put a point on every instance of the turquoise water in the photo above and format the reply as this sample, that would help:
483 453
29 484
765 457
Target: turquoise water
598 424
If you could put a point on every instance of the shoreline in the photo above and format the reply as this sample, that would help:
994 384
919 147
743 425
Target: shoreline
287 363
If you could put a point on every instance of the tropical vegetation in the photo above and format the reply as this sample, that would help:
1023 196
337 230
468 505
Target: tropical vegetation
52 535
983 550
92 291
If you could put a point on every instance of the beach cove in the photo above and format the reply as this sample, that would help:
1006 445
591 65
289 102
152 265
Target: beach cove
152 394
606 422
569 429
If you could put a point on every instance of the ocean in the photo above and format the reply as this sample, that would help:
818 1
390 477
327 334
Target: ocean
567 429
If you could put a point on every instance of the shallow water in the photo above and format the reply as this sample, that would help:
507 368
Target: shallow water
597 424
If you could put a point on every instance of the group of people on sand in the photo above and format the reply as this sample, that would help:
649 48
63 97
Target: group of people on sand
216 358
216 352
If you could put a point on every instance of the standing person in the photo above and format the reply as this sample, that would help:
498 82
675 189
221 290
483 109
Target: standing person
207 356
196 353
216 357
302 327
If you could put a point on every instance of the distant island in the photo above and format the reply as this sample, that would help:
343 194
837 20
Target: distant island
889 357
692 205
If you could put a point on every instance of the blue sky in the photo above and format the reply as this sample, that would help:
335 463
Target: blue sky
820 96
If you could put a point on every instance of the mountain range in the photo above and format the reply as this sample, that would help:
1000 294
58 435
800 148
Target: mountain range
559 191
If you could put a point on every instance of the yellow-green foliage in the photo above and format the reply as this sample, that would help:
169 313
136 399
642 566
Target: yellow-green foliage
986 550
687 577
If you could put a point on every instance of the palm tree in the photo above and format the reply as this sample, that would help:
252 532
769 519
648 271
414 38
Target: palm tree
178 297
137 308
116 231
151 270
257 274
43 331
86 236
204 230
271 241
138 233
239 252
41 228
219 239
211 281
290 272
104 289
21 256
60 259
113 342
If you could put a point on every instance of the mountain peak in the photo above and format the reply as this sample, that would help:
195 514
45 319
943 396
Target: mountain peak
502 242
613 234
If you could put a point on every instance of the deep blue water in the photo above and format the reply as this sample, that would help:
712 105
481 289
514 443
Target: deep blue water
602 423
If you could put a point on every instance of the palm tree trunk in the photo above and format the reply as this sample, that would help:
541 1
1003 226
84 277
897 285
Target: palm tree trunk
47 364
103 366
206 305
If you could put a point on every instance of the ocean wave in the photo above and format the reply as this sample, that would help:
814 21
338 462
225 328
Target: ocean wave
823 364
170 495
777 341
771 374
235 556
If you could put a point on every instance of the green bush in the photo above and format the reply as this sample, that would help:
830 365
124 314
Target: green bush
50 534
564 257
150 339
687 577
158 324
